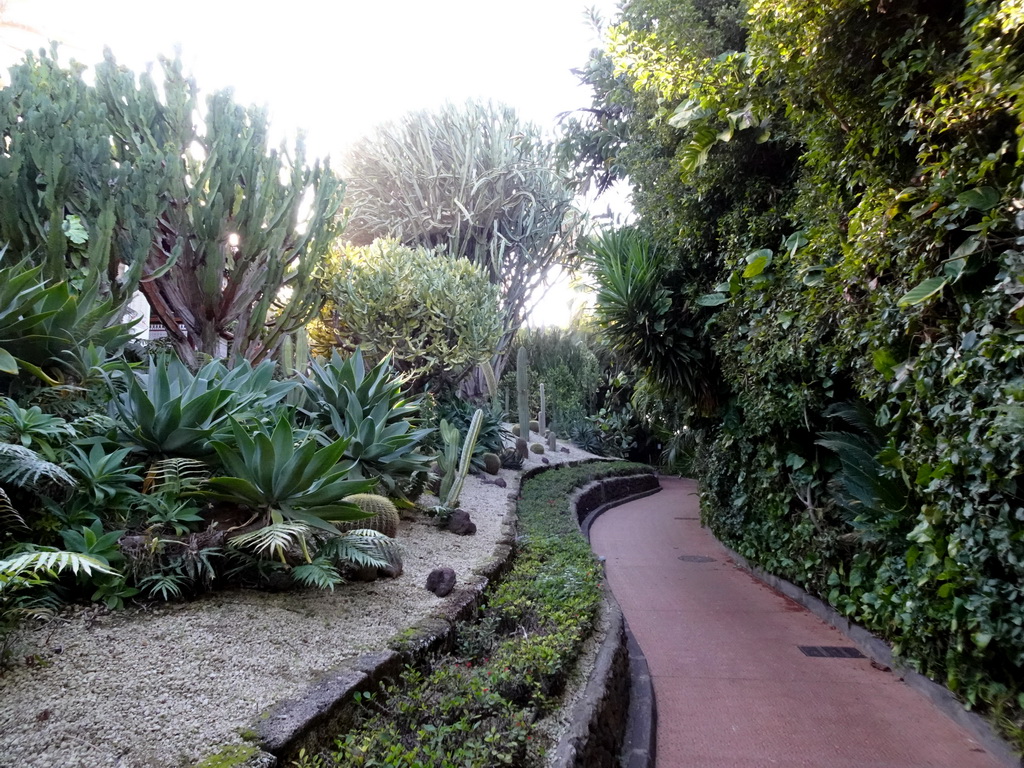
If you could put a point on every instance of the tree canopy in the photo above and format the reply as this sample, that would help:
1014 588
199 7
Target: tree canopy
475 181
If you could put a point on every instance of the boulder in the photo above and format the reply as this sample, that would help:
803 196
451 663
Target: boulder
461 524
441 581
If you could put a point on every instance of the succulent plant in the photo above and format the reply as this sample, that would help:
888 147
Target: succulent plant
535 426
492 463
385 514
537 448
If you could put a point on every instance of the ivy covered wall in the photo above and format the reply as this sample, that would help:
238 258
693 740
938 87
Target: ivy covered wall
835 188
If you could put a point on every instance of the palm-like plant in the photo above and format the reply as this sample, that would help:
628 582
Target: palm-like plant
284 478
646 321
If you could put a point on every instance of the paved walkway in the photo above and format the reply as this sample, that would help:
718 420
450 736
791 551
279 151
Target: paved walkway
732 688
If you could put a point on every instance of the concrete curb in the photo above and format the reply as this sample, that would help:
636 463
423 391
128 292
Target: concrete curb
880 652
614 722
326 707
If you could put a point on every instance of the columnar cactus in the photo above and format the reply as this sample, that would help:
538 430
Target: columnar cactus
523 392
452 499
542 418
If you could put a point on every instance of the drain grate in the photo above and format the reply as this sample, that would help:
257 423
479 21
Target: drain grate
696 559
831 651
686 518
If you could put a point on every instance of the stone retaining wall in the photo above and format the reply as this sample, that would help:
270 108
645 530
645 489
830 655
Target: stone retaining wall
598 724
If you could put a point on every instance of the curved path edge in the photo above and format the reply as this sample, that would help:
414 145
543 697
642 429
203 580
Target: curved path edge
620 685
879 651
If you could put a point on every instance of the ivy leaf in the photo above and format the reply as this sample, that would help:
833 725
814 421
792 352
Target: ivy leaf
980 198
74 231
924 291
712 300
982 639
757 262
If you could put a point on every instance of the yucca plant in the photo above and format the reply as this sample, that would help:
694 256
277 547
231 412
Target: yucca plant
643 319
281 476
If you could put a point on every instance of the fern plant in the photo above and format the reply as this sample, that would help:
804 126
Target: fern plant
25 573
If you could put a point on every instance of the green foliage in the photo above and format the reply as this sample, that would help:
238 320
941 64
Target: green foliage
837 189
640 318
564 361
283 477
236 259
475 708
455 464
77 203
171 411
368 410
435 315
474 181
42 320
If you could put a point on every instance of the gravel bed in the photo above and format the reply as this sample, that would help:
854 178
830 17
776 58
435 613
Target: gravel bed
162 686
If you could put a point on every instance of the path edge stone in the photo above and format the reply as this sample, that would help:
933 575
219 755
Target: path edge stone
326 707
615 720
880 652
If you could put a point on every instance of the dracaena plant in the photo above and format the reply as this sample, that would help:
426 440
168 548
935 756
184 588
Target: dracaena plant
282 476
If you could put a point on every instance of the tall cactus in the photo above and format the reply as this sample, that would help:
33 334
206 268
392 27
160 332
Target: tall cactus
452 499
80 206
542 417
523 392
245 222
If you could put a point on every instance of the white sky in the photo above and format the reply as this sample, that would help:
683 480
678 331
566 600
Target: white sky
336 69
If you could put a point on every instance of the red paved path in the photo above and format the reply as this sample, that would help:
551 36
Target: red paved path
732 688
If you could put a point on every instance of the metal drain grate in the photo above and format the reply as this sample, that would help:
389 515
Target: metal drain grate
831 651
696 559
686 518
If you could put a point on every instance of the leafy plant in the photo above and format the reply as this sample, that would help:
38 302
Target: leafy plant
104 476
31 425
367 410
170 411
282 479
434 316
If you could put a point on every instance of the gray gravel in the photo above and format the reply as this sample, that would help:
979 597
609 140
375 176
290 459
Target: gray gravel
164 686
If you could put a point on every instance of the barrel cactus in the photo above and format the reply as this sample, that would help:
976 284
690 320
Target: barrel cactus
385 515
492 463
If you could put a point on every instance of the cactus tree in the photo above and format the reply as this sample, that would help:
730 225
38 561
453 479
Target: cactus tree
236 256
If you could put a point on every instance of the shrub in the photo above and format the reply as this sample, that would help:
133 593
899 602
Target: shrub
475 708
436 315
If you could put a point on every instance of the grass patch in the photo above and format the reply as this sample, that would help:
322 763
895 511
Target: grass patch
474 707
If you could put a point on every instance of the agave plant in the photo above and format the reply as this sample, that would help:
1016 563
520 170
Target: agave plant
40 321
369 411
171 411
348 387
284 478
